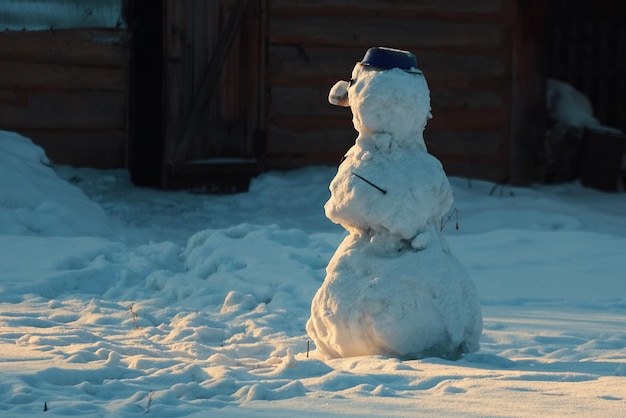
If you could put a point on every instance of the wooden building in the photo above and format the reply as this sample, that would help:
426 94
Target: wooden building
64 78
471 54
210 92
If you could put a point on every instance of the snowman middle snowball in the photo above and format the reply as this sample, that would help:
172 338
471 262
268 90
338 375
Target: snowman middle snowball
392 288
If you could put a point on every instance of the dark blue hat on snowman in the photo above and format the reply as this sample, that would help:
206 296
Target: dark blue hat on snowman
388 58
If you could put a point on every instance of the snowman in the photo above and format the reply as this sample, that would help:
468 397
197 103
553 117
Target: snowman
393 287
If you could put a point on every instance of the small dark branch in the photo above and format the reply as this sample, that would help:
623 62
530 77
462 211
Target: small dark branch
444 221
134 316
383 191
308 347
45 407
149 402
501 187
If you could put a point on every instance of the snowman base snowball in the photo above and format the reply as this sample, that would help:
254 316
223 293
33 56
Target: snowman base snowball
390 299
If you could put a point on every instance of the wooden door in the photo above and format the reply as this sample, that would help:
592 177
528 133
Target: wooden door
212 109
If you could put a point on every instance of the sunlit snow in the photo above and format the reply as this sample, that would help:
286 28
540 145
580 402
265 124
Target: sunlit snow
118 301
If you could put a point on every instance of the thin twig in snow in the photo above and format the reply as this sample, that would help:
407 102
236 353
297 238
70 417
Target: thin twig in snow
134 316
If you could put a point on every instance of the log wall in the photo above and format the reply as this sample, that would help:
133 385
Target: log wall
67 91
464 49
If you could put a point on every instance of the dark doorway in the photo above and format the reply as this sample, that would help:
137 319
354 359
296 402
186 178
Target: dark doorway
196 108
586 44
586 48
145 142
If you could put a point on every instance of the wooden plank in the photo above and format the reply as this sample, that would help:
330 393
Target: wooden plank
293 162
439 141
95 48
396 8
366 31
88 148
310 141
453 120
475 110
471 99
458 120
473 120
13 96
297 124
302 101
71 110
490 169
292 65
442 142
474 155
42 76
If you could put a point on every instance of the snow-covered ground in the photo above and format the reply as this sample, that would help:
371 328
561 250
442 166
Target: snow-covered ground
119 301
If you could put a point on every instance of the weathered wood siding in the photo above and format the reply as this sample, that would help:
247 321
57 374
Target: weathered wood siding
463 47
67 91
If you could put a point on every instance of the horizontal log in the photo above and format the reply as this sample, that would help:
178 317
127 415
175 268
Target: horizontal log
62 77
473 99
471 120
305 123
304 65
324 140
63 110
496 172
294 162
443 142
457 121
304 108
477 155
385 7
97 149
303 101
103 48
440 142
366 31
310 65
291 162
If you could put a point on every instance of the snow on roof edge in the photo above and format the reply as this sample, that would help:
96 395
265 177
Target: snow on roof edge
34 15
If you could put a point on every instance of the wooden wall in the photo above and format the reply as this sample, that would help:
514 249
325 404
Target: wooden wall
463 47
264 97
67 91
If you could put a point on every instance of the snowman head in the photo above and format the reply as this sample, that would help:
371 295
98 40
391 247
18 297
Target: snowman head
387 94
